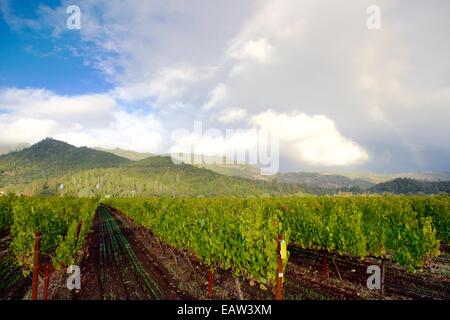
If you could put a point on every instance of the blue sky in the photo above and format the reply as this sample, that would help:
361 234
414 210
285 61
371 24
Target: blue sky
140 74
32 58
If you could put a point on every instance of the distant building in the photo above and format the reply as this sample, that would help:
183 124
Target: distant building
345 194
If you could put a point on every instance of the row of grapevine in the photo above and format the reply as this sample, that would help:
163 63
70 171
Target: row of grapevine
436 207
240 234
379 226
6 214
231 234
57 219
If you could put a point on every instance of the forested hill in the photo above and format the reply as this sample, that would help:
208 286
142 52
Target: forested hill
46 166
50 158
406 185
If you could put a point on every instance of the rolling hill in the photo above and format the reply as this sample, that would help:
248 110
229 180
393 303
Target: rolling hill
406 186
51 158
315 182
128 154
221 165
323 183
376 178
45 166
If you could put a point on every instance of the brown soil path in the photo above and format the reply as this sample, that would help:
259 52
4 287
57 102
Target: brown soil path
117 265
348 277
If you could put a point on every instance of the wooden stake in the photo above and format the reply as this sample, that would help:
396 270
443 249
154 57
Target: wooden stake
35 280
80 224
383 267
47 273
279 290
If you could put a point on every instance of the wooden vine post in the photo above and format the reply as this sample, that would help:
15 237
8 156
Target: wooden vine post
281 255
383 268
48 270
210 283
35 280
80 225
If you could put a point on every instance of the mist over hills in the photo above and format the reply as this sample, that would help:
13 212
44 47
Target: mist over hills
7 148
131 155
333 180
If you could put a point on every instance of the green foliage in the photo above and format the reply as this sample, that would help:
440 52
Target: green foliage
230 233
411 186
317 183
65 251
381 226
57 220
52 158
41 169
240 234
325 223
6 212
438 209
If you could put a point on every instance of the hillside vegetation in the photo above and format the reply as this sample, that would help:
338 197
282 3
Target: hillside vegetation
53 167
406 185
46 166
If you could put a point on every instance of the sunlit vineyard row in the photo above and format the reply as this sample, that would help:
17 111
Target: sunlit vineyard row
240 234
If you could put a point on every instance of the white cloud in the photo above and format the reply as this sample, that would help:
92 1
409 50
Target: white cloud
254 50
216 97
20 130
313 140
127 131
298 58
44 104
167 87
29 115
231 115
235 145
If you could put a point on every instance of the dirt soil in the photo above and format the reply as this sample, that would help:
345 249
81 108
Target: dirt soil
117 265
348 277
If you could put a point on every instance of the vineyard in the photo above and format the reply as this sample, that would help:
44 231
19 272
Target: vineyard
63 223
146 243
